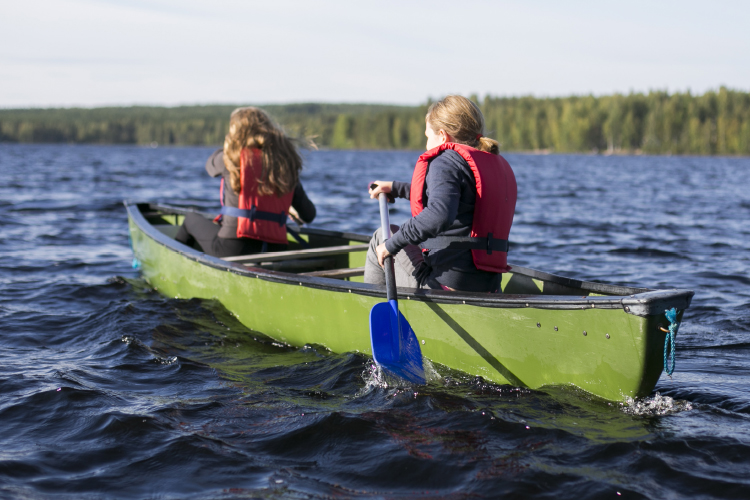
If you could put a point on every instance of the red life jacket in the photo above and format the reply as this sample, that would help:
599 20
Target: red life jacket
493 211
260 217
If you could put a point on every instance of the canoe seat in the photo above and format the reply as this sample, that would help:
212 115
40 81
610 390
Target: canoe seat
301 266
338 273
309 253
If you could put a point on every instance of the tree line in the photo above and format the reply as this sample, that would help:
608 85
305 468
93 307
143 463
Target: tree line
716 122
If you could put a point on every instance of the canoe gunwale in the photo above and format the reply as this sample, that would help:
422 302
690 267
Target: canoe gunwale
637 301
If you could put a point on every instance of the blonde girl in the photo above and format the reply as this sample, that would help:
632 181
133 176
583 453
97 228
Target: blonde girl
462 197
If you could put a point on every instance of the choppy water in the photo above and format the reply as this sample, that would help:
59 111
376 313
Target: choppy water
109 390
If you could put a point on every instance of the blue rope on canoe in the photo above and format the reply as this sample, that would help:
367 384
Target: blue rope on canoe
669 341
136 263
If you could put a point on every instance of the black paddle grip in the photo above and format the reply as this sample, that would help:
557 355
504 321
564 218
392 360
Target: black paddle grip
390 278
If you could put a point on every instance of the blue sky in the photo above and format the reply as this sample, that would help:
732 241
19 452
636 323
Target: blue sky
164 52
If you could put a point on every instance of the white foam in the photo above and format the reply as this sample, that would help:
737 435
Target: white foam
655 405
376 378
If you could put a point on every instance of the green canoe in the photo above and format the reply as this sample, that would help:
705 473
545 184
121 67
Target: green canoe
543 330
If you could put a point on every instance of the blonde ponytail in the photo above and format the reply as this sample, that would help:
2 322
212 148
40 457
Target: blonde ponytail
488 145
463 121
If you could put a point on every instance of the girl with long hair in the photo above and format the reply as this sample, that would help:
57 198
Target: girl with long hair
259 166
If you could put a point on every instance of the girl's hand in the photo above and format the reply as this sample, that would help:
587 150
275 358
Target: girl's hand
382 254
295 216
378 187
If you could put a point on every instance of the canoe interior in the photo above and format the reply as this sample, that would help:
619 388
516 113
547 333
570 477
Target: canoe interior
167 220
543 330
168 224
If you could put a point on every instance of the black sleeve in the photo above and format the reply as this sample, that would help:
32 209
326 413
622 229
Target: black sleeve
443 183
302 204
215 164
401 189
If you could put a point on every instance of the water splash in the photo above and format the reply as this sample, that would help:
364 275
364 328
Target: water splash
376 378
655 405
170 360
430 373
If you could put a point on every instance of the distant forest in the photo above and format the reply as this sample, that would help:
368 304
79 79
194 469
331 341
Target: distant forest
656 123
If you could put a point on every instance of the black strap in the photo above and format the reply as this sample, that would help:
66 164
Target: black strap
297 237
254 214
489 243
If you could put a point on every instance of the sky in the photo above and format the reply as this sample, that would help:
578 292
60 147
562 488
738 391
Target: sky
65 53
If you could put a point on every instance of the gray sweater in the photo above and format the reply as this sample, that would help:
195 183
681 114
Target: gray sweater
450 195
215 167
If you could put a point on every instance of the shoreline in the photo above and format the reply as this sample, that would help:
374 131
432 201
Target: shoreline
536 152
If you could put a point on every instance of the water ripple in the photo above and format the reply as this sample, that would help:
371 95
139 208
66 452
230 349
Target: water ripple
110 390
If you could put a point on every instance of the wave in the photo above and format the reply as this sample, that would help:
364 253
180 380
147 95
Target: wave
647 251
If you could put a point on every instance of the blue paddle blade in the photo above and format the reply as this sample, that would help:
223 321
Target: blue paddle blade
394 345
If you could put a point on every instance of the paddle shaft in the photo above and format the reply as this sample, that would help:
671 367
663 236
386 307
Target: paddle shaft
394 345
385 228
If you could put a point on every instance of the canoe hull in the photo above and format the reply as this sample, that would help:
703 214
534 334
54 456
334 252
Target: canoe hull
606 351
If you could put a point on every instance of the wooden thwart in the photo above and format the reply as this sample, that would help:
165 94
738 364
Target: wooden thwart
297 265
298 254
337 273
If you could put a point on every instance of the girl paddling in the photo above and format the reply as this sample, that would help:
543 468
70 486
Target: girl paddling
462 196
259 168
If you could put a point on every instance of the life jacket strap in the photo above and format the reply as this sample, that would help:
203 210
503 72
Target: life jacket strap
254 214
489 243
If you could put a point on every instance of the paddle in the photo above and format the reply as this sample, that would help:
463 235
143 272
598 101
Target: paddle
394 344
294 216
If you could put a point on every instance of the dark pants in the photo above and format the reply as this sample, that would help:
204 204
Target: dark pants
198 229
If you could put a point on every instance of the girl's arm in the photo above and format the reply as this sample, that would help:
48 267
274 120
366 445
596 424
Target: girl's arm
443 196
401 189
302 204
215 164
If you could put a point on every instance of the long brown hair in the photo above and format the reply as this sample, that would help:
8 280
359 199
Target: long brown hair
253 128
463 121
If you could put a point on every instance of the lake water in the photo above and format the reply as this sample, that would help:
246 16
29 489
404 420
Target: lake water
109 390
